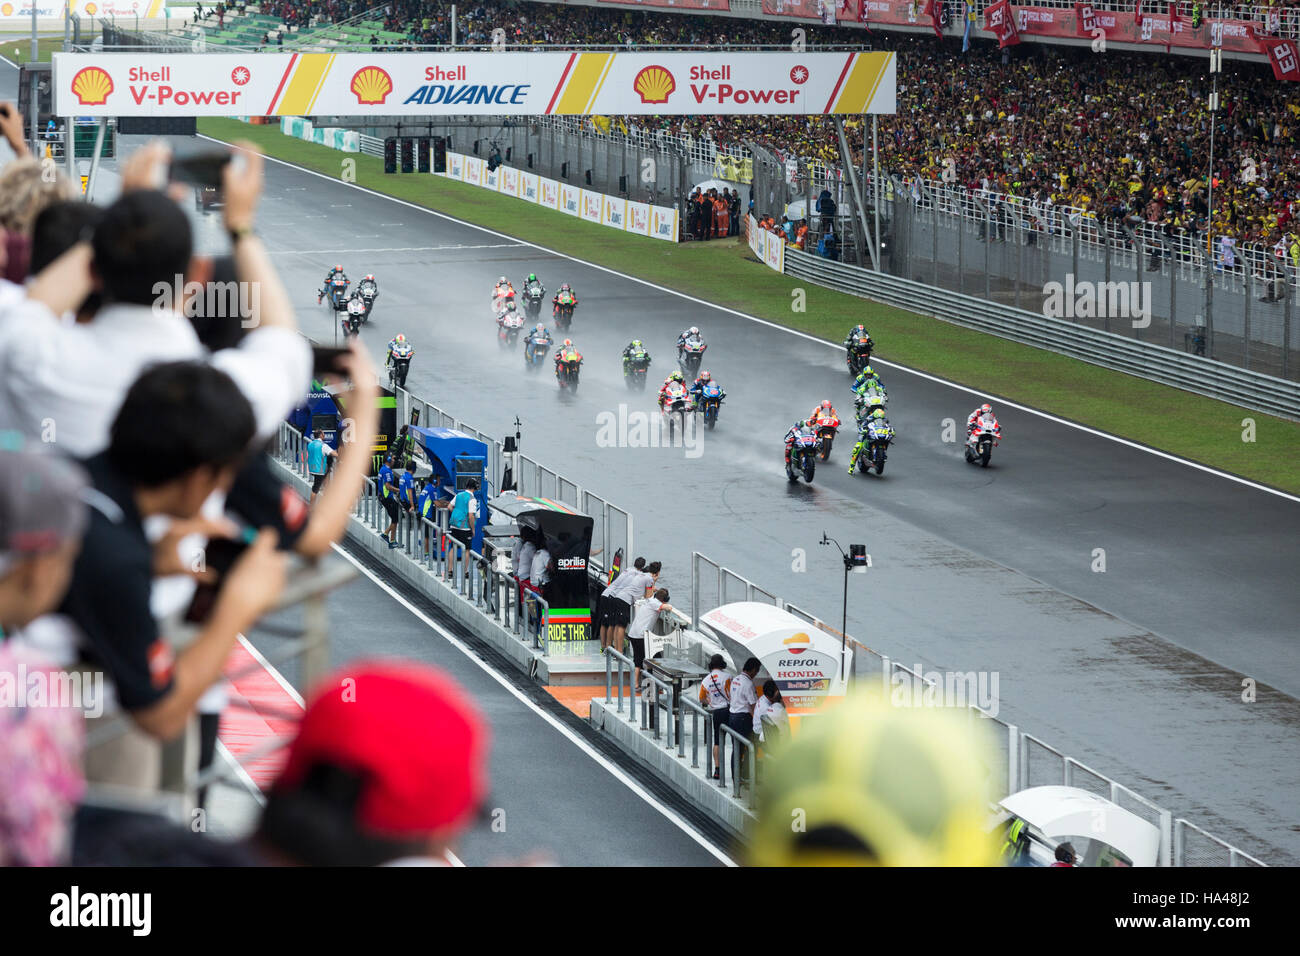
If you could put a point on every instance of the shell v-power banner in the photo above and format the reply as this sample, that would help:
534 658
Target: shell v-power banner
480 83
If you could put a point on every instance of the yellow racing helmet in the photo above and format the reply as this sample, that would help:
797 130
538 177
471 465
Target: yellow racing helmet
868 783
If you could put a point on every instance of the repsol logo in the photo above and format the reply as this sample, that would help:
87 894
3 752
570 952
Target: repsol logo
469 94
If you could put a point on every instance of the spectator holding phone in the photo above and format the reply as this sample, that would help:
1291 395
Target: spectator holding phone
159 463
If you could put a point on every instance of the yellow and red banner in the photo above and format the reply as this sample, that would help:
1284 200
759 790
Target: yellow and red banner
479 83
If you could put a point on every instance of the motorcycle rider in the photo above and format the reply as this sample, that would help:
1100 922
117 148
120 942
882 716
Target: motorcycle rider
697 387
538 335
562 350
824 410
667 387
531 281
356 311
510 309
866 377
368 286
871 426
858 339
398 348
635 346
566 296
502 290
329 277
692 333
972 422
798 428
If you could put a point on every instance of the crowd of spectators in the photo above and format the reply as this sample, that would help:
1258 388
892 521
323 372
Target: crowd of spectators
1122 136
138 502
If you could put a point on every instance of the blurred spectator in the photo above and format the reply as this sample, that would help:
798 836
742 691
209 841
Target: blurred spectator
1065 855
389 766
42 519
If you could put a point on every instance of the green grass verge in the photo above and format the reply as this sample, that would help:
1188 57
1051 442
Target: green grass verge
1166 418
18 49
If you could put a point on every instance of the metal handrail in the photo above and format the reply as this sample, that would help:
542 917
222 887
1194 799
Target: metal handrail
729 731
612 656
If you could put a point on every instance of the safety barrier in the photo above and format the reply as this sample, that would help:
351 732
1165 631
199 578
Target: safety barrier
1158 363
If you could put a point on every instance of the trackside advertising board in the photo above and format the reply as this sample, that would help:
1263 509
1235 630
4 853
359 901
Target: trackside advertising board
659 222
484 84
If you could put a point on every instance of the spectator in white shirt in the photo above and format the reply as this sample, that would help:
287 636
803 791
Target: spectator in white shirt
73 377
741 716
715 695
770 719
647 612
603 605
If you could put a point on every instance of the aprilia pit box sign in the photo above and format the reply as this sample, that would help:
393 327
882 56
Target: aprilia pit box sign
495 84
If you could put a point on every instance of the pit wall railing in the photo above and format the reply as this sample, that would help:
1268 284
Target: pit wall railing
429 544
611 525
1021 760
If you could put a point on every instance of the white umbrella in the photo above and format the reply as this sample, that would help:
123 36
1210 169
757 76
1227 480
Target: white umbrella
717 184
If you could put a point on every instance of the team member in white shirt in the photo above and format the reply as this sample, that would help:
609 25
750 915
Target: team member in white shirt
603 605
770 711
743 699
623 596
647 612
715 695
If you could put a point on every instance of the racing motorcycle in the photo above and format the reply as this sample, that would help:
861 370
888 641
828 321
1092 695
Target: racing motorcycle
692 354
508 330
499 300
983 439
868 400
399 365
827 427
635 366
534 292
369 291
675 406
338 293
564 310
803 455
535 353
354 315
873 440
566 369
858 356
711 396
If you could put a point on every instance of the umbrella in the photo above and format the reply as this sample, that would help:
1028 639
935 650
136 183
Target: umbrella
717 184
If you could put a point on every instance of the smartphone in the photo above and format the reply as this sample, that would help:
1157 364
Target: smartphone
324 360
200 169
220 555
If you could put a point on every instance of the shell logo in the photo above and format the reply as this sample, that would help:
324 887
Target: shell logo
6 9
92 85
797 643
91 9
371 85
654 84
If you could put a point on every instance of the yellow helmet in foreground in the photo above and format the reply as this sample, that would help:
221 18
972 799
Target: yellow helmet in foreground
868 783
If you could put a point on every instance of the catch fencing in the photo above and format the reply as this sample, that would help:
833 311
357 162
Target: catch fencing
1019 760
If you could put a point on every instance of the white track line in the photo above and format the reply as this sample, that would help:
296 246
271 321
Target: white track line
572 737
249 783
279 678
323 252
803 335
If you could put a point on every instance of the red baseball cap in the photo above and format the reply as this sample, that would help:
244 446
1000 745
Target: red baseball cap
414 734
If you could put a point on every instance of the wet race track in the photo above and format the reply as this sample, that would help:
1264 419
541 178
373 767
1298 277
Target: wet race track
1136 670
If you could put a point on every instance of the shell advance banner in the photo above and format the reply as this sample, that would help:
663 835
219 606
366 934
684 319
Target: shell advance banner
489 84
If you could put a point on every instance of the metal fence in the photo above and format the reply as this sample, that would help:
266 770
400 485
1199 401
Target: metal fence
1165 363
1019 760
